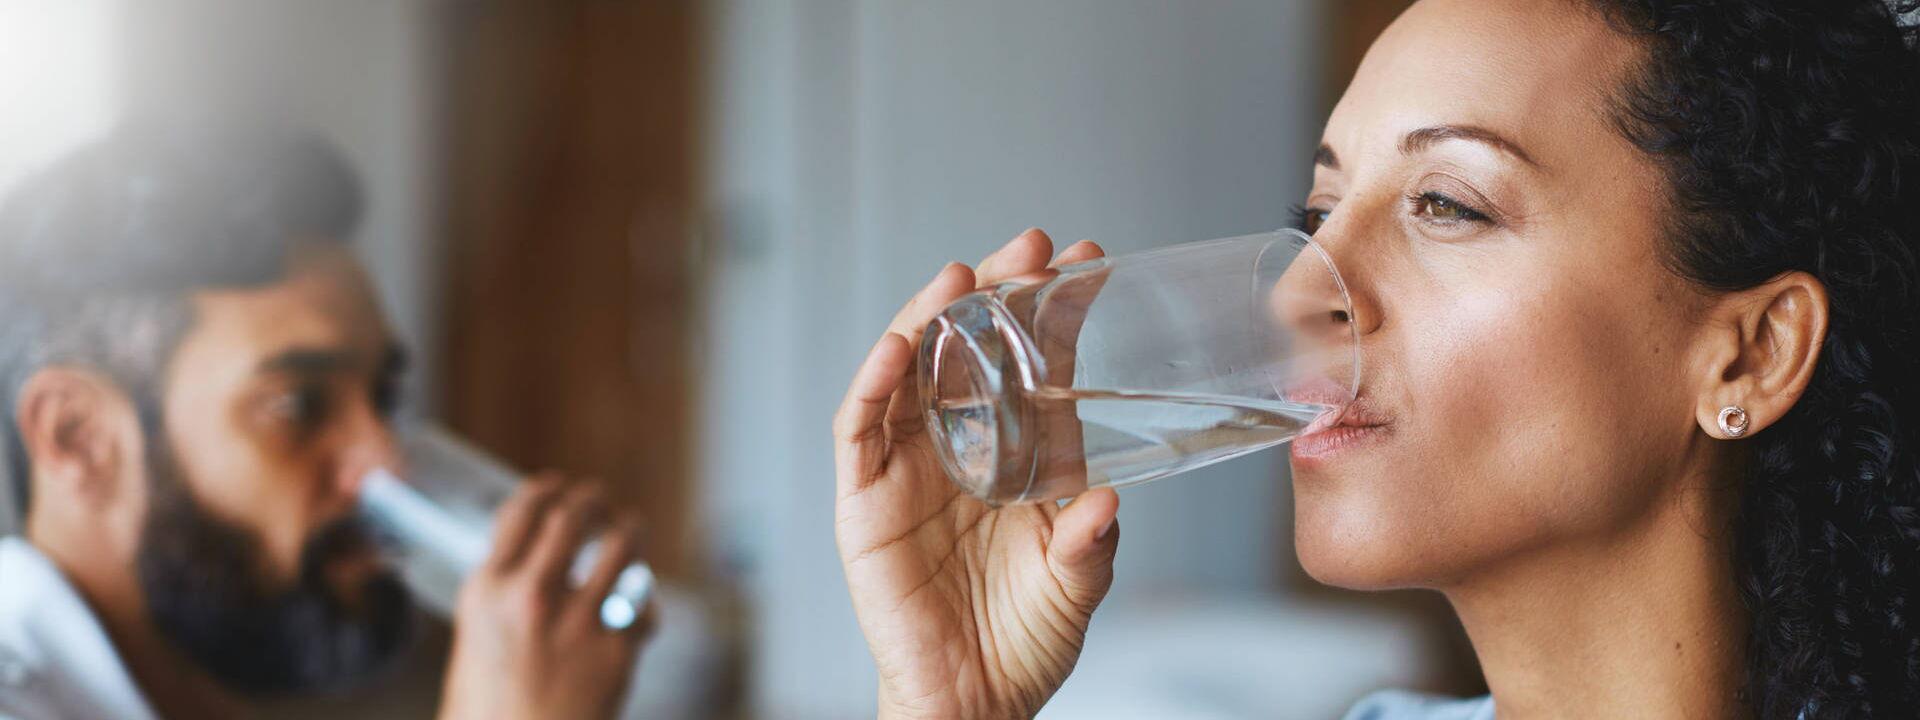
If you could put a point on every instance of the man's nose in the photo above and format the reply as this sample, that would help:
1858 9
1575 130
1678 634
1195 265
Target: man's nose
369 445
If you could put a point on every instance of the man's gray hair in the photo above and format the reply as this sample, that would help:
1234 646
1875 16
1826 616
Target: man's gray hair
128 339
101 252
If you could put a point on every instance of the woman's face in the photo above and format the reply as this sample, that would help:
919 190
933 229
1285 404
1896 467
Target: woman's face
1525 390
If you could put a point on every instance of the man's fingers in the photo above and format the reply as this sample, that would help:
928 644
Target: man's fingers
617 548
519 516
560 533
860 443
1023 254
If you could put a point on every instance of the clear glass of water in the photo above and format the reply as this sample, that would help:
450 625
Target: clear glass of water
1132 368
438 510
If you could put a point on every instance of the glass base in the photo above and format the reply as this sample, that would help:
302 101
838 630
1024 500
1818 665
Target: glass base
977 371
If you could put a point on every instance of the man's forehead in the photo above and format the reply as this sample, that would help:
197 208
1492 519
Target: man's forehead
324 304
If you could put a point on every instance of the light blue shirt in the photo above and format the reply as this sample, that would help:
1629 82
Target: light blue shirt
1403 705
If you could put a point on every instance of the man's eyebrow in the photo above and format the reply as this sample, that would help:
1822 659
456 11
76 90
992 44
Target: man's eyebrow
1324 157
307 361
322 361
1420 139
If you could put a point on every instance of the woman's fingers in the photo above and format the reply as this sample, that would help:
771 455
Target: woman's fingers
1079 252
877 395
949 284
859 431
1025 253
1085 534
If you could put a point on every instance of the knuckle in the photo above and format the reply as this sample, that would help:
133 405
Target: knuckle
527 603
845 428
567 521
616 548
860 434
531 494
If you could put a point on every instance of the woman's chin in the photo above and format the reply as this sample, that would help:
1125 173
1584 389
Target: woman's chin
1359 554
1347 570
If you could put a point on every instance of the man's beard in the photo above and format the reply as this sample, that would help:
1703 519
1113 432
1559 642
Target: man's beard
203 592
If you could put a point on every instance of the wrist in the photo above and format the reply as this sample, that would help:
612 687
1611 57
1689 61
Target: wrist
940 707
890 708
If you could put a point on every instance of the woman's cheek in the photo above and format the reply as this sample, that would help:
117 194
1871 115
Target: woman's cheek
1537 396
1487 386
1409 510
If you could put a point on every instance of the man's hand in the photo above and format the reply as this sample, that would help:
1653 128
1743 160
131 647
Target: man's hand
527 644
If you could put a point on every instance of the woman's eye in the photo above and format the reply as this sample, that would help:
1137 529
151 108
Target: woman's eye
1445 209
1309 220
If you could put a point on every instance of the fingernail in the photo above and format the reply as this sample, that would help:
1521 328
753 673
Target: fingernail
1102 535
935 280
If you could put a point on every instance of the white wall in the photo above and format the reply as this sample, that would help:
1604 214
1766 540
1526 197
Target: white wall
58 88
58 81
858 145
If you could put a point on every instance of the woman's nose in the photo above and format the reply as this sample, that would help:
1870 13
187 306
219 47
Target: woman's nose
1344 242
1311 302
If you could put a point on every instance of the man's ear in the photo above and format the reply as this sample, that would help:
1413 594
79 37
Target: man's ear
74 426
1760 353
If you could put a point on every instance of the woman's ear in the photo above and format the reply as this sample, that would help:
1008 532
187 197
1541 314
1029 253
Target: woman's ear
1762 351
73 426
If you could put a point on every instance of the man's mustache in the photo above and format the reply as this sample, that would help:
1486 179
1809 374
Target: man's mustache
348 536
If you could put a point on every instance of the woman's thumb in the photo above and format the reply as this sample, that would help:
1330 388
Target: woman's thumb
1085 535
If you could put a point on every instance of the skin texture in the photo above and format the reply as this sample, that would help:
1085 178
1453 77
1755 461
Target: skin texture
277 447
1536 435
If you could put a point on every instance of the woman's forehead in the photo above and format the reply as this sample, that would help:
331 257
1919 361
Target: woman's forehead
1540 72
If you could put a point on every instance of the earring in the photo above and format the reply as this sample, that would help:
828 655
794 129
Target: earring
1733 421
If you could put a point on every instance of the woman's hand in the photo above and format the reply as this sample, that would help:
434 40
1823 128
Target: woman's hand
970 612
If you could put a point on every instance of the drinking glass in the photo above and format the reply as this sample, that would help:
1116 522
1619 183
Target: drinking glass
441 519
1131 368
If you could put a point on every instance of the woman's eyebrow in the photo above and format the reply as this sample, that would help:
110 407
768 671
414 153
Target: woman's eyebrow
1418 140
1324 157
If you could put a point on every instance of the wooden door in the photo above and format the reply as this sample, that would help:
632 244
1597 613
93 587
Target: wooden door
569 167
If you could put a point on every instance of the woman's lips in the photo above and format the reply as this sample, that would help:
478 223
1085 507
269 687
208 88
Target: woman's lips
1337 431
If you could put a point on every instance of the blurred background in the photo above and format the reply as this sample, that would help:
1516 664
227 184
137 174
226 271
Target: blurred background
648 240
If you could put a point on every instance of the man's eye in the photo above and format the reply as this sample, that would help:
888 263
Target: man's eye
1445 209
302 406
386 397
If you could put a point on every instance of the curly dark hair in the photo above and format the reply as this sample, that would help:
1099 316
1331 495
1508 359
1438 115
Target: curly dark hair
1789 135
